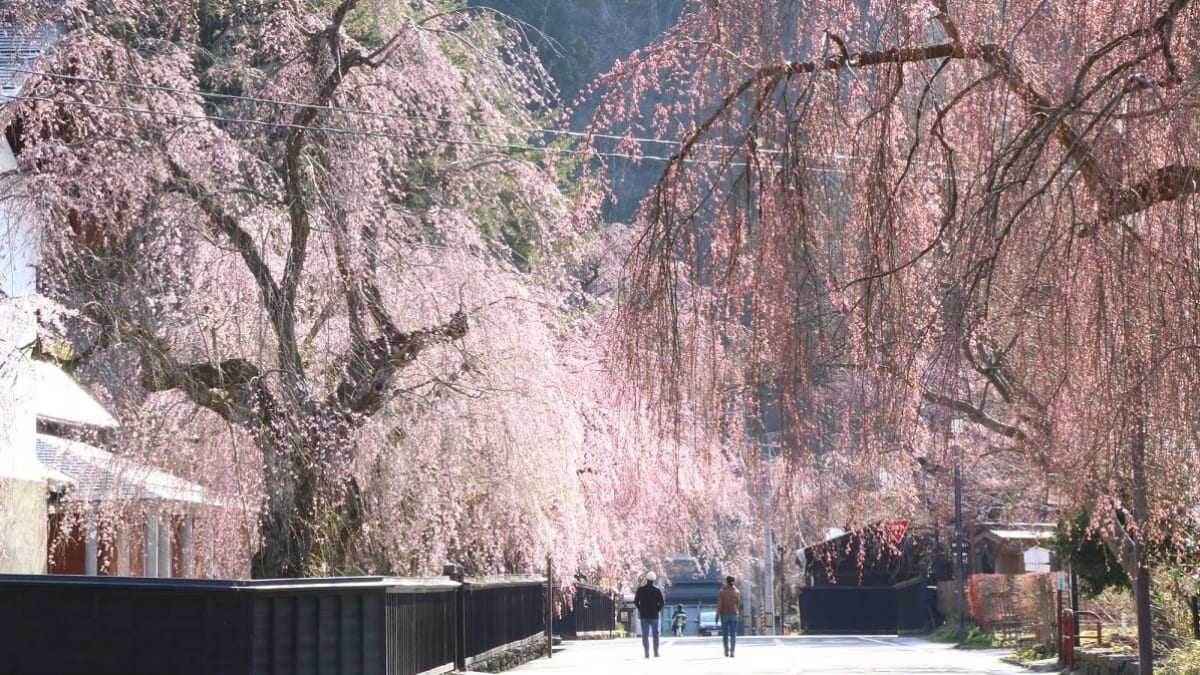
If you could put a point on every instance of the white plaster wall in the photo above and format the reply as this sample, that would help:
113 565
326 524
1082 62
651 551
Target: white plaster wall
18 241
22 488
24 530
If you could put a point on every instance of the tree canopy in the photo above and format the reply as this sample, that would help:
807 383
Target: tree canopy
315 264
931 210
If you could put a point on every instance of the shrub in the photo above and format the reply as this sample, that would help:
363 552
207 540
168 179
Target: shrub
1184 661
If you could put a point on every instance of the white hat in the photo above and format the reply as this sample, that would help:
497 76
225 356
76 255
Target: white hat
651 576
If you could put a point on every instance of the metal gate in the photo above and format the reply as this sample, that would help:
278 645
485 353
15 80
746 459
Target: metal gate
881 610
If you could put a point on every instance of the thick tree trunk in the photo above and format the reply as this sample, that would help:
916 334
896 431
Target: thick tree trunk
1141 586
287 525
311 513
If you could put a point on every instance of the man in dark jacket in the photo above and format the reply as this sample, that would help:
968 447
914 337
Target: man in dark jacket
649 602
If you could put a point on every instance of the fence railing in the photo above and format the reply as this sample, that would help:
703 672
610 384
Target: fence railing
343 626
499 611
1069 629
592 610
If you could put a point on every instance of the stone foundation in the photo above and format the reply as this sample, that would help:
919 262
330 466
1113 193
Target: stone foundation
510 655
1098 661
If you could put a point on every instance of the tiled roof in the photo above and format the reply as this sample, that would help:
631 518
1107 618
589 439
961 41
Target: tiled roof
98 475
59 399
18 50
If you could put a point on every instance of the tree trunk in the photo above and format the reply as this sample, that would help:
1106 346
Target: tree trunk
312 512
287 525
1141 586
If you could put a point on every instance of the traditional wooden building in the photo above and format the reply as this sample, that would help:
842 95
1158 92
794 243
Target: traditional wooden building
48 422
875 579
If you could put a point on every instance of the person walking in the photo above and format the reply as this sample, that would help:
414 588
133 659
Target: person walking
729 602
678 621
649 602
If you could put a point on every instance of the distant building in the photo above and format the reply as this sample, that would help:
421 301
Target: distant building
1014 548
23 486
875 579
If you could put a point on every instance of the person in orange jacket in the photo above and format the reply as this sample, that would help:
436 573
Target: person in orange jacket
729 602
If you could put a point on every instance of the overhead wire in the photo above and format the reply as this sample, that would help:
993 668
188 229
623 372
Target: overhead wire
394 135
516 147
354 111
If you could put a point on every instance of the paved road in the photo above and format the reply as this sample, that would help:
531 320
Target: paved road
804 655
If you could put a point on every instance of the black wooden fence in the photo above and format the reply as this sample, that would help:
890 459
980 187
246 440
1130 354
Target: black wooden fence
592 610
347 626
849 609
499 611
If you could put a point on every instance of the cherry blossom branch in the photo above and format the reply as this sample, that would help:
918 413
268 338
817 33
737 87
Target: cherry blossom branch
232 388
992 54
228 225
362 389
295 184
1165 184
974 414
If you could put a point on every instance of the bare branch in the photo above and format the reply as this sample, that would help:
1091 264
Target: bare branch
1165 184
976 415
227 224
362 389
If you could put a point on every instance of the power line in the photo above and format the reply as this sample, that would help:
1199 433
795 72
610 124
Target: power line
396 135
335 130
355 111
410 117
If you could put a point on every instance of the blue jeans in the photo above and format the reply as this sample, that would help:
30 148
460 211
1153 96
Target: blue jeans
729 622
649 626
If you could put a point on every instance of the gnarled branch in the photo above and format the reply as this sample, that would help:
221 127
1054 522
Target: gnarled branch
976 415
1163 185
367 379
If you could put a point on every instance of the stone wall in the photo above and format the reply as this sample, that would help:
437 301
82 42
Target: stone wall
23 526
1099 661
509 656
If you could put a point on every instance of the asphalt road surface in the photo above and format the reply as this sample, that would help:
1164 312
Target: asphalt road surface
807 654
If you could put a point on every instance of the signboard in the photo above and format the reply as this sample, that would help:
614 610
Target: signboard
896 528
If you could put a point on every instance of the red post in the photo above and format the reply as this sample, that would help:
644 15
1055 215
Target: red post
1068 638
1099 628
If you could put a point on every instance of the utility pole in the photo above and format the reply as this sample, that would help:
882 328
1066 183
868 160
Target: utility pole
959 552
769 450
959 547
769 567
1141 583
549 607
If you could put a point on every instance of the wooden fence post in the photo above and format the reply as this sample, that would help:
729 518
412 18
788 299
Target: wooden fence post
549 607
455 572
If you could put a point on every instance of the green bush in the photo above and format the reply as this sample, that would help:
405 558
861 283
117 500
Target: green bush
976 636
944 633
1185 661
1035 652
